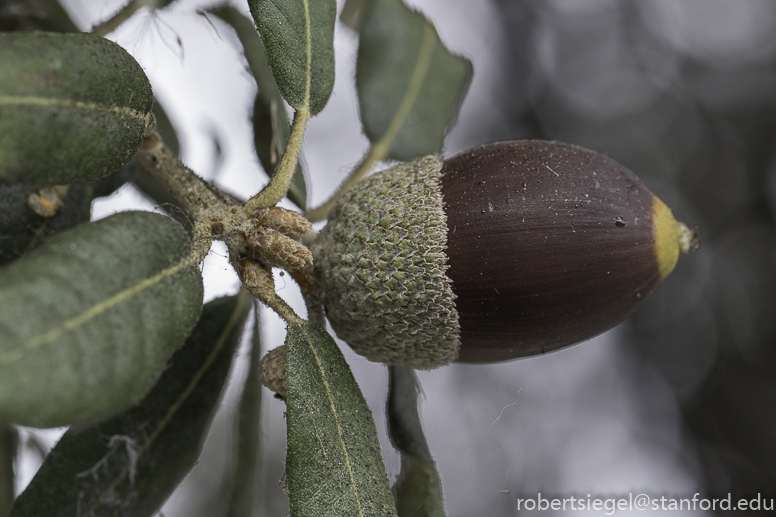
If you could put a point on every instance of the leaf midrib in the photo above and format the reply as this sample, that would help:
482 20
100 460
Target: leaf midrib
242 298
417 79
340 434
7 100
92 312
309 51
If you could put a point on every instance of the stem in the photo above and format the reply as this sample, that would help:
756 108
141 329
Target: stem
305 277
283 310
125 13
376 153
188 190
202 240
277 187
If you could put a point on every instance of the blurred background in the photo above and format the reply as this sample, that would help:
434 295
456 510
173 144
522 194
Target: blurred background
679 399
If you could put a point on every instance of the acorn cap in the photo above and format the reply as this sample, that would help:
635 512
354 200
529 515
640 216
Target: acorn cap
507 250
382 263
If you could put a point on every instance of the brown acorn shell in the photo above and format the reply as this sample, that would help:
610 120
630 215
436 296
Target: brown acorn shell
549 244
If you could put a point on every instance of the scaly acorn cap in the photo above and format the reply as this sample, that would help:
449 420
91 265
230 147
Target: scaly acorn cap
507 250
382 262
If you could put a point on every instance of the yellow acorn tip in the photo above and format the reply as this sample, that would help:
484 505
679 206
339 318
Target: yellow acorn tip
672 238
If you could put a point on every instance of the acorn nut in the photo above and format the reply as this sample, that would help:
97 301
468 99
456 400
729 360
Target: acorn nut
504 251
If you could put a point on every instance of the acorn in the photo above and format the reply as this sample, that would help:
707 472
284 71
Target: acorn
506 250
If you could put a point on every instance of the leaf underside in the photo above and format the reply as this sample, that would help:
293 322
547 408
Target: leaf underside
129 464
299 38
90 318
334 466
410 87
73 107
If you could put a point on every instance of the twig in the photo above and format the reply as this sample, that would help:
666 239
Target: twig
189 191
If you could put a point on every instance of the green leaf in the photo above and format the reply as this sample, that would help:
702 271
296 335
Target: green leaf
352 14
129 464
299 38
270 122
247 481
410 87
9 446
22 230
35 15
334 466
90 318
106 186
73 107
130 172
418 489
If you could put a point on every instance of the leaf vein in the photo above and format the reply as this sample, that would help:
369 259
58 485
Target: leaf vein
418 77
6 100
290 61
94 311
309 49
242 298
340 433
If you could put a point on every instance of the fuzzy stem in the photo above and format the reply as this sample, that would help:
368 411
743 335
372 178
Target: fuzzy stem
277 187
125 13
374 155
305 277
202 240
189 191
283 310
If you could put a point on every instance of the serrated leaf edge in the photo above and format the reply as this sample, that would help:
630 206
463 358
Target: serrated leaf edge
243 298
64 103
34 342
340 433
